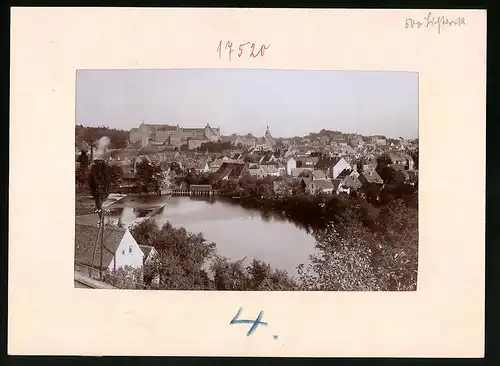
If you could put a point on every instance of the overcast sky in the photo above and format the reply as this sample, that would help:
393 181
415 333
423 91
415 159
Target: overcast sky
292 103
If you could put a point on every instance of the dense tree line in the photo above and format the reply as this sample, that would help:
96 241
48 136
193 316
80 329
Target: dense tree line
216 147
150 176
118 138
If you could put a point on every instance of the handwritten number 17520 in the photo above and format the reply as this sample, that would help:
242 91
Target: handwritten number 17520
242 49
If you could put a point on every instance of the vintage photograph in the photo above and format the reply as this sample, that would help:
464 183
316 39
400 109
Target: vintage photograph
246 180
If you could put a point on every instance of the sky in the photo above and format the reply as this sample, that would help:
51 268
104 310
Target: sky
241 101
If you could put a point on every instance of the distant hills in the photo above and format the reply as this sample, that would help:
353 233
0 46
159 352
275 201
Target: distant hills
118 138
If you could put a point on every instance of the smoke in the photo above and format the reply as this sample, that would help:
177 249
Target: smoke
102 146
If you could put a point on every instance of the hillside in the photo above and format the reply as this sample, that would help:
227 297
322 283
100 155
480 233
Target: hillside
118 138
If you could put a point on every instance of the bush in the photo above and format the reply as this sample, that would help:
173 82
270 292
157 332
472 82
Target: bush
125 278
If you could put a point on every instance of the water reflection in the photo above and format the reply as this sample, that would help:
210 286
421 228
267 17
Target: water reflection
238 231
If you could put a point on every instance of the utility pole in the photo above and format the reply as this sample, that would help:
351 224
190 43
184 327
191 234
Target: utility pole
102 241
95 249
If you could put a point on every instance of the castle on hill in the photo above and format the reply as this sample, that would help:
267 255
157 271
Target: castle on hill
161 134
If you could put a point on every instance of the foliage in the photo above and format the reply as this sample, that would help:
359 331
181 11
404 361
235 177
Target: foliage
258 276
101 179
383 161
229 276
118 138
125 278
197 178
352 258
305 174
181 254
151 271
150 176
219 146
396 256
343 262
82 171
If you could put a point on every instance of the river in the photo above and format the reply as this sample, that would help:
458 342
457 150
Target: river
238 232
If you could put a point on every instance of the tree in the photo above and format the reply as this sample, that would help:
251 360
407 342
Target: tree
396 255
82 171
181 254
343 262
229 276
388 174
101 179
216 146
150 176
116 174
125 278
383 161
118 138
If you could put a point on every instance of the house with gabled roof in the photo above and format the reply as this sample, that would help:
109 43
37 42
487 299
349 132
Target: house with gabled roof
370 177
352 183
410 163
119 248
232 170
318 174
150 253
338 165
397 159
319 186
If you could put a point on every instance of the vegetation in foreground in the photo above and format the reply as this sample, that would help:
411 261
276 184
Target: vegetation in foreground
362 244
349 257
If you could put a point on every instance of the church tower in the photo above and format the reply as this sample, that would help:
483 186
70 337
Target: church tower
269 139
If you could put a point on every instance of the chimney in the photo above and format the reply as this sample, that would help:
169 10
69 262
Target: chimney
91 153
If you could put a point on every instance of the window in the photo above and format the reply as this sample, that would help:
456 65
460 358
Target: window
130 249
123 252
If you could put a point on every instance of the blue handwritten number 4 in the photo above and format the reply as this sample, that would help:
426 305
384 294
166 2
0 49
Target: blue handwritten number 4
255 323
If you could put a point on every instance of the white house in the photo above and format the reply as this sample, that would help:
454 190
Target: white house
339 165
127 253
291 164
120 248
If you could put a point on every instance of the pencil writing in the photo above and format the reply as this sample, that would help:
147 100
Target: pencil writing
247 48
431 21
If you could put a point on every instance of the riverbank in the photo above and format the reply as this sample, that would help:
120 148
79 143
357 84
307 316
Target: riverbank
351 257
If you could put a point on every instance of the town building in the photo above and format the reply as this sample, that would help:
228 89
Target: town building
163 134
120 248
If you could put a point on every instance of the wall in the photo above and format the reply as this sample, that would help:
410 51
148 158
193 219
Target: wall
291 164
